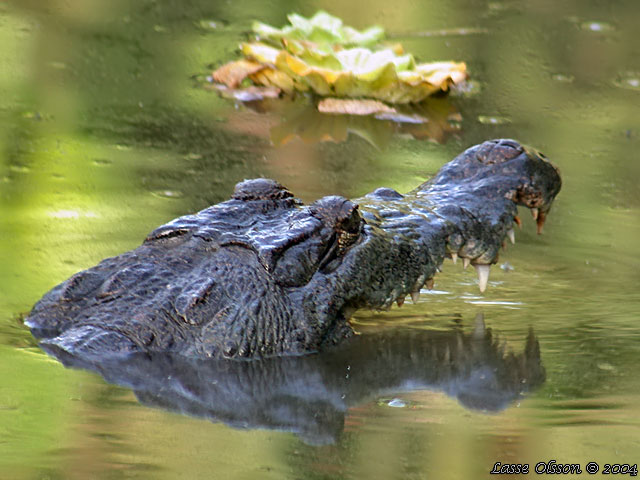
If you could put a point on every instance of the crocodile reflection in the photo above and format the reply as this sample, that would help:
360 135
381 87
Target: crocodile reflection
310 395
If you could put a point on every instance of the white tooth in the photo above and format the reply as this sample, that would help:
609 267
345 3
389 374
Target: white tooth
512 235
415 296
483 276
454 257
534 213
465 263
386 306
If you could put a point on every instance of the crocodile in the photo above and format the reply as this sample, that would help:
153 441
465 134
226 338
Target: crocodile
264 275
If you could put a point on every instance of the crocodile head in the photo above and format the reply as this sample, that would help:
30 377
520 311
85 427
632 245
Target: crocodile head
262 274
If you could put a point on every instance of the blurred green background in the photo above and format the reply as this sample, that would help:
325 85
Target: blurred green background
107 131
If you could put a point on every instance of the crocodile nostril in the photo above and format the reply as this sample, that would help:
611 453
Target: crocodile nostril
510 143
505 150
498 151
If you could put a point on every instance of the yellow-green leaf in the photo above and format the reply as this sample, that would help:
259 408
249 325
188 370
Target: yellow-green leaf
322 29
312 54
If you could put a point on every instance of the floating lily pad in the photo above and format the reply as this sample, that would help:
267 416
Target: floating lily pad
324 56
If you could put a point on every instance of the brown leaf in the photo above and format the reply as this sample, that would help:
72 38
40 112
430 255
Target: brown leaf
268 76
353 107
233 73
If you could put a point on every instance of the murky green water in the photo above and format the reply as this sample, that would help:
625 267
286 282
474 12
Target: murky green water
106 132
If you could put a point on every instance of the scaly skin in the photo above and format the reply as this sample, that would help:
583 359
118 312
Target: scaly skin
263 275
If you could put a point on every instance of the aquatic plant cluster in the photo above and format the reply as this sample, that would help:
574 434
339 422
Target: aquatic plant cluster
323 56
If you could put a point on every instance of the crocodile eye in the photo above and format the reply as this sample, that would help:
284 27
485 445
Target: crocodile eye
338 213
350 220
348 228
344 218
345 240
